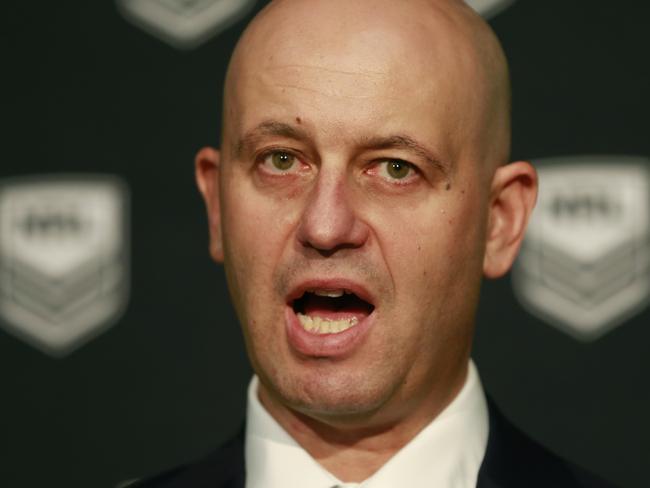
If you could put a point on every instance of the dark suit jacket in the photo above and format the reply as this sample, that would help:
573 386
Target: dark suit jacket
512 460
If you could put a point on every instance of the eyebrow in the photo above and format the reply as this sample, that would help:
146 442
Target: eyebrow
267 128
398 141
409 144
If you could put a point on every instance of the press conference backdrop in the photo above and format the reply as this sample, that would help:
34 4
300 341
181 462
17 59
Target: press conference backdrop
120 351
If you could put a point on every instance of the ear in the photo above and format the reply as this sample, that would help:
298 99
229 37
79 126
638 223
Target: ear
513 196
206 169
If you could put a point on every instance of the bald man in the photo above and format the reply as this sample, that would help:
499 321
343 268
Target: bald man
360 195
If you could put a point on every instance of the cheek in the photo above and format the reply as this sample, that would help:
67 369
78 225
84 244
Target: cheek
252 244
242 225
433 250
255 232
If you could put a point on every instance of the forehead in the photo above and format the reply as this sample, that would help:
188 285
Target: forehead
359 74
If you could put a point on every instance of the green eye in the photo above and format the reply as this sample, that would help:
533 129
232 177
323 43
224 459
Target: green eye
282 160
398 169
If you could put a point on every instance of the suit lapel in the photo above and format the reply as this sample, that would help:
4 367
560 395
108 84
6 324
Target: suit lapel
513 460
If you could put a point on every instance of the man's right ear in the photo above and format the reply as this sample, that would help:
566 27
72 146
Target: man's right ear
206 170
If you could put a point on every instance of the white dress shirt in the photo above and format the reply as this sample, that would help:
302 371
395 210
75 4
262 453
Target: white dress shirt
447 453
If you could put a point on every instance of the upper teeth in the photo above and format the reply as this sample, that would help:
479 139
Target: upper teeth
329 293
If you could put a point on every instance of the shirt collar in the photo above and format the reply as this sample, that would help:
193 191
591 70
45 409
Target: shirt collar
447 453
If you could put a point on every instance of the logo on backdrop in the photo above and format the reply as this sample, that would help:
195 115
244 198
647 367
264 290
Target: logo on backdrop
64 266
489 8
185 24
584 265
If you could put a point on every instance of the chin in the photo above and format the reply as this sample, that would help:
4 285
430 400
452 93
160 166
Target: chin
323 395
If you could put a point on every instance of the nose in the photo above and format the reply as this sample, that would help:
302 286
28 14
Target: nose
329 221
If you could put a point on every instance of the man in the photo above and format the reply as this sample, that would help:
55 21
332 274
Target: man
360 194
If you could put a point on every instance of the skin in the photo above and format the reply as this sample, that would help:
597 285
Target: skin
330 82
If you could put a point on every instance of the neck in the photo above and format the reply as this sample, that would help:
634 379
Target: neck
353 449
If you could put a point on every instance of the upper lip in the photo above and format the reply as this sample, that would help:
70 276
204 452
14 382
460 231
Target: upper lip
331 284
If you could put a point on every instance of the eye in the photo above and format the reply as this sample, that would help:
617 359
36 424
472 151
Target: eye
396 169
279 162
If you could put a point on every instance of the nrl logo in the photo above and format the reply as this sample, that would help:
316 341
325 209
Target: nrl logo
585 263
185 24
489 8
64 271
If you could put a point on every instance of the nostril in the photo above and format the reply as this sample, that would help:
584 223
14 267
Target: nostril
326 253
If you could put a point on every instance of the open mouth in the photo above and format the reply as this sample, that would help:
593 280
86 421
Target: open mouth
322 311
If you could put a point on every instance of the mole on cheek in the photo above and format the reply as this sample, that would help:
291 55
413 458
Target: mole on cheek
298 120
448 187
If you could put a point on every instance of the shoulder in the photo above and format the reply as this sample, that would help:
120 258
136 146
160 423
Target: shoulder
223 468
513 459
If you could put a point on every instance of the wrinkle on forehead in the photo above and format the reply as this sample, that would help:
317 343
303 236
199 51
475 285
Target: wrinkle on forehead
328 82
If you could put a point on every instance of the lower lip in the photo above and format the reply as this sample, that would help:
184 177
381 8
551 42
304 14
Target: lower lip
333 346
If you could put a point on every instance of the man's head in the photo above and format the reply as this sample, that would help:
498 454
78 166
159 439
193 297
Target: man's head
362 185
